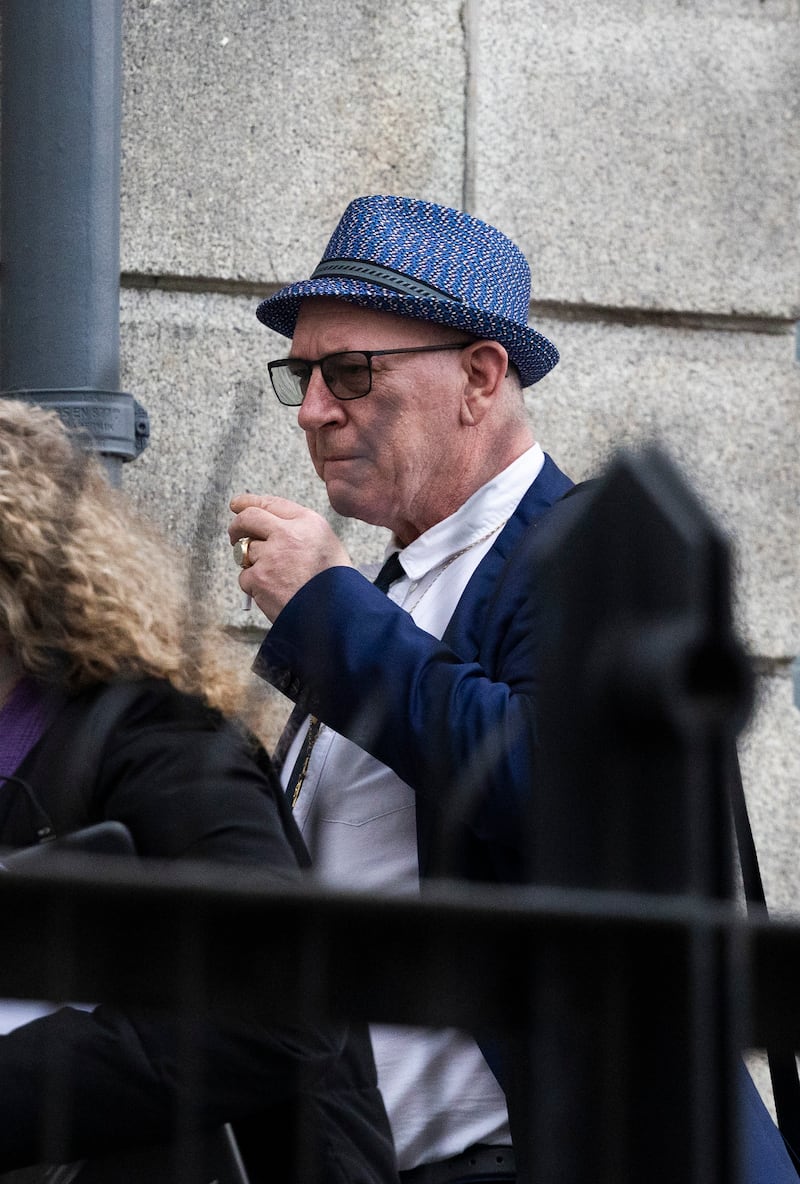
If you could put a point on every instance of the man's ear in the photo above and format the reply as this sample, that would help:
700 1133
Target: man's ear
486 365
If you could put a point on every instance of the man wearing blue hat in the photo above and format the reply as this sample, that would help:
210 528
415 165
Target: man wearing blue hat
410 351
414 721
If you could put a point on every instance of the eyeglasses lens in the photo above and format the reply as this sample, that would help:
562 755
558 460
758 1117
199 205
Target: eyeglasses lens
290 380
347 376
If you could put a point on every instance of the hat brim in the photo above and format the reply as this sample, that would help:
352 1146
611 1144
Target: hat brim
531 352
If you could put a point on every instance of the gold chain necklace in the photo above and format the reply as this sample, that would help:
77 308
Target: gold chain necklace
310 740
452 559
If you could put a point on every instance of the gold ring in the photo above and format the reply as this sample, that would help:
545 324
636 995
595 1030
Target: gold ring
241 555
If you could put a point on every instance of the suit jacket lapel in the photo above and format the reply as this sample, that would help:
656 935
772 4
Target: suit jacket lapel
469 622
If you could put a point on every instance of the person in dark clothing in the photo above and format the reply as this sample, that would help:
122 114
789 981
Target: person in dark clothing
96 641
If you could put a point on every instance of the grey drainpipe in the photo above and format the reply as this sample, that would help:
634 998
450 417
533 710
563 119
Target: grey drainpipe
59 219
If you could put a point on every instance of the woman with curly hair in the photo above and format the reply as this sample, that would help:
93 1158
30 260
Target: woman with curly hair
98 636
76 609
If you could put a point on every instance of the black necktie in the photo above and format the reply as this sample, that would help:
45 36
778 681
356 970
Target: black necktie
392 570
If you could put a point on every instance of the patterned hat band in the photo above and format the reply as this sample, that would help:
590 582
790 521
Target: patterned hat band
384 277
429 262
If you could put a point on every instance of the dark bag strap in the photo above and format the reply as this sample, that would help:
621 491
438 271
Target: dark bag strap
782 1062
79 762
68 752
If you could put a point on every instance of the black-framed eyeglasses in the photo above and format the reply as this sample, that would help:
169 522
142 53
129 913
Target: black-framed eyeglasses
347 375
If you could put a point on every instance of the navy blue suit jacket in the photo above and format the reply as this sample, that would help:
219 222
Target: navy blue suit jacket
453 718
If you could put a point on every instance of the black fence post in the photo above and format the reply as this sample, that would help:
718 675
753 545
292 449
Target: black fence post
59 221
633 1049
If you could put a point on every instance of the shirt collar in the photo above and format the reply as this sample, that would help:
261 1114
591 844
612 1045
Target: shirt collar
489 507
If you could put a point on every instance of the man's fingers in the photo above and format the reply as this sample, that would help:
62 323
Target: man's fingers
264 515
281 507
255 521
241 501
249 521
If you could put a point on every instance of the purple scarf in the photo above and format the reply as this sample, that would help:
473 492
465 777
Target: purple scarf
23 718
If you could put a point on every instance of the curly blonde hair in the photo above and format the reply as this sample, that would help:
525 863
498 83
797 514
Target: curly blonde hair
89 591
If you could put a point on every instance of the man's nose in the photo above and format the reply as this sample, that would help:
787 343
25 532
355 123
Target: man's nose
319 406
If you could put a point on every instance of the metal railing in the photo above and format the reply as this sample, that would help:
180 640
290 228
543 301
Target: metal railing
478 957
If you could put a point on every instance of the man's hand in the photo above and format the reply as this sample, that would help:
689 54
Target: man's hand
289 544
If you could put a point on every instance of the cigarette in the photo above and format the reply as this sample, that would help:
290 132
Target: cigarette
247 599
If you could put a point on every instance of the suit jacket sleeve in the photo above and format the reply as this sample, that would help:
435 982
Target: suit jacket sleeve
456 724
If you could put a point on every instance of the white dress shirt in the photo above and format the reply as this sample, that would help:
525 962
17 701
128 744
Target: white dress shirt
359 822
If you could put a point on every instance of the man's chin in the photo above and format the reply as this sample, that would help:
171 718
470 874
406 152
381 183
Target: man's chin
349 502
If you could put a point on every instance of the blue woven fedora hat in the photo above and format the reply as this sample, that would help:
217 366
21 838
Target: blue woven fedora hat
427 261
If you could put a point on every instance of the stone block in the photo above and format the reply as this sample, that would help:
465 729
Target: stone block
247 127
725 408
644 155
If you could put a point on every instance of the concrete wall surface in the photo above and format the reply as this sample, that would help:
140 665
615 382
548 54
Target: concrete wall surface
644 154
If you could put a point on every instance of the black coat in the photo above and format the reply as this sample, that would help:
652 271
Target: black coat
187 784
